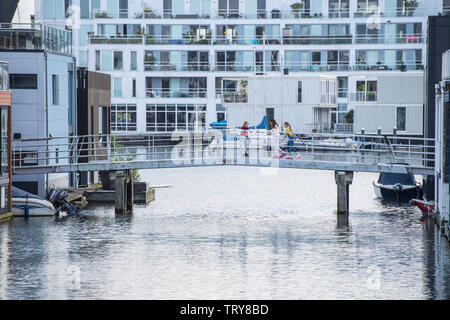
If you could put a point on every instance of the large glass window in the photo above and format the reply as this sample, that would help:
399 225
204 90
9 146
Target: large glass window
85 9
107 60
123 117
170 117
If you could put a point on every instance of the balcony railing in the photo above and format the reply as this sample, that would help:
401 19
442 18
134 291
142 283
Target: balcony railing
4 76
384 39
340 39
317 67
364 96
241 40
175 93
119 39
384 67
254 40
287 14
185 39
150 66
234 97
25 36
342 93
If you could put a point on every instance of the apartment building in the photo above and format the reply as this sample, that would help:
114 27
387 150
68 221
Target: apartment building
5 144
168 58
42 75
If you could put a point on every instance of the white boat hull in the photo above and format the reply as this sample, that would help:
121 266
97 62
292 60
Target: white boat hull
37 207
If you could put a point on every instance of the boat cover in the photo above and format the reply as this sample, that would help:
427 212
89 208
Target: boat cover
394 178
19 193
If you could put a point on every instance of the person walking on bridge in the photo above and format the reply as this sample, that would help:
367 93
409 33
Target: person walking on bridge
244 133
290 135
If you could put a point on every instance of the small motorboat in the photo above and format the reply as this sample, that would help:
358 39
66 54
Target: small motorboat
38 206
427 207
398 186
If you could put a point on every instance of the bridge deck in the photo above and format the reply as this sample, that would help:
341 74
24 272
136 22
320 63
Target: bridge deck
215 148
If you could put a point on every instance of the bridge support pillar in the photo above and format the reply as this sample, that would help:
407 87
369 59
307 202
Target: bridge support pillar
124 192
343 180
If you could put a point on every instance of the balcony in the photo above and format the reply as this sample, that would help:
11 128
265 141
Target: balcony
23 36
383 39
4 76
363 96
119 39
339 39
190 67
241 40
317 67
175 93
185 39
234 97
384 67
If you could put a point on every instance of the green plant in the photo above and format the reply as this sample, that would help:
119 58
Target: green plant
349 116
409 6
118 154
296 8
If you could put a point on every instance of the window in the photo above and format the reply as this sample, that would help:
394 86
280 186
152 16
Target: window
170 117
299 92
123 117
97 60
118 60
107 60
134 88
447 7
133 66
401 118
366 91
117 85
55 89
85 9
23 81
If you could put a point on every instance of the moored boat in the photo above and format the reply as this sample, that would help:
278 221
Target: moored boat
397 186
427 207
37 206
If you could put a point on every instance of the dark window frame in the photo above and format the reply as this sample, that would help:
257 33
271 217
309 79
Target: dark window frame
13 76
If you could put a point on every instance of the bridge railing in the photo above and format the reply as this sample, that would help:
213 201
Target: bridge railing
218 147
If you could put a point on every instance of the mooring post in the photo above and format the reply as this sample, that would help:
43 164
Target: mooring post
130 191
394 140
379 142
343 180
121 192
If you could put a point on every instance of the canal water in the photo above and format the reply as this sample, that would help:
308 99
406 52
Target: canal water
230 233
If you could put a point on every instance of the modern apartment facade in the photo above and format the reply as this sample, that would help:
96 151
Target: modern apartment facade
168 58
42 81
5 144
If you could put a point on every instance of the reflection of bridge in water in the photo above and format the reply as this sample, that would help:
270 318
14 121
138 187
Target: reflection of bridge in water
344 154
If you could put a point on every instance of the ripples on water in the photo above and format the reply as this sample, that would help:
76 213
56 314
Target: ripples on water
230 233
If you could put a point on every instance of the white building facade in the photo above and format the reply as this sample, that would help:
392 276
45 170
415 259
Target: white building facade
168 58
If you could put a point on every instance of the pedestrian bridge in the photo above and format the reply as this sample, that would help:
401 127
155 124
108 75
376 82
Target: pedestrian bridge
119 152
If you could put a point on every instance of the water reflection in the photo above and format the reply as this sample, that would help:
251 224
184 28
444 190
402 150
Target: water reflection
231 232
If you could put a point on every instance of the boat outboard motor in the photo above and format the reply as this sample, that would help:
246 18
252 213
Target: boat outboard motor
59 201
398 187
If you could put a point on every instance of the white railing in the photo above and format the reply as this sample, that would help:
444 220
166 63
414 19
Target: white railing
175 93
218 147
150 66
289 14
363 96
